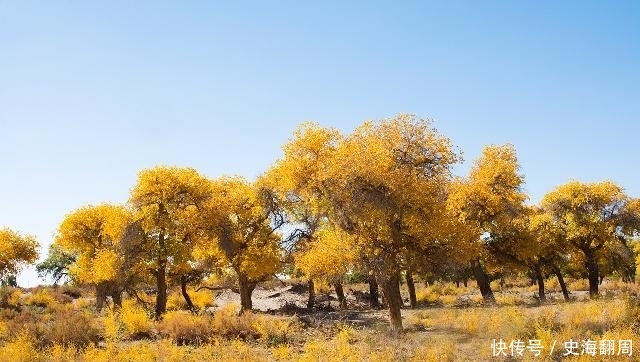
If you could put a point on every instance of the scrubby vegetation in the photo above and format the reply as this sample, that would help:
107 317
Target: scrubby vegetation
449 324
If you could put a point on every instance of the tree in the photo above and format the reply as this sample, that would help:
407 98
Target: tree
167 201
328 256
592 218
16 251
56 265
296 183
548 249
386 186
90 237
242 225
491 202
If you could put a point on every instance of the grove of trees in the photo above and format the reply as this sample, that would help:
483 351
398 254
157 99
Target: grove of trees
381 201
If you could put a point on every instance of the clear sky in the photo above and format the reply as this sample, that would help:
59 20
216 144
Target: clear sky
93 91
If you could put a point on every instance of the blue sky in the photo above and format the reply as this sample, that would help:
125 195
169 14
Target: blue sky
92 92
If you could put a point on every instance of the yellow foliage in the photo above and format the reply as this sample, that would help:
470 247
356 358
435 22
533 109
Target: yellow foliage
94 234
135 319
201 300
41 298
15 251
243 234
21 349
112 326
185 328
273 330
329 255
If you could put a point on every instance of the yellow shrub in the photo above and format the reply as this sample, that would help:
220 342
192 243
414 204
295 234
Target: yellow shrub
82 303
470 322
201 300
273 330
282 352
578 284
4 330
509 299
135 320
41 298
449 300
440 351
421 320
427 296
15 298
112 326
227 323
21 349
184 328
60 353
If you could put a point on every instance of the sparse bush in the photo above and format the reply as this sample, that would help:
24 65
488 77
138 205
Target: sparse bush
71 328
72 291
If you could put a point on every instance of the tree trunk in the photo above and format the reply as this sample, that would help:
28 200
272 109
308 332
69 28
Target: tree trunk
591 263
540 280
374 294
312 294
483 281
161 287
464 282
342 300
116 294
101 296
563 285
246 289
161 278
601 279
183 288
413 301
391 289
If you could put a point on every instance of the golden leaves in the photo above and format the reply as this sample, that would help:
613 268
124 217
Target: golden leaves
15 251
94 233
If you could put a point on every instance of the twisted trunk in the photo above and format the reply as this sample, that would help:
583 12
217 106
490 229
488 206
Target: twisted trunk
558 273
484 284
183 288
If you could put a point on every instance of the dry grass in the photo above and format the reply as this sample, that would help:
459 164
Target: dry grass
457 326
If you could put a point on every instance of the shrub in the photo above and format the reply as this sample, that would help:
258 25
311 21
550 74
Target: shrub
201 300
112 326
41 298
227 323
273 330
184 328
20 349
72 291
10 297
135 319
71 328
